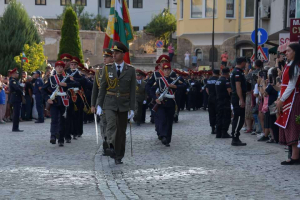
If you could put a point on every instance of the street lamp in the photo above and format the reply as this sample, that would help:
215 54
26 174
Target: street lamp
213 38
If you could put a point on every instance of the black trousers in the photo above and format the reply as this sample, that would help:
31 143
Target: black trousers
239 116
212 110
223 117
16 115
58 122
165 123
40 107
205 99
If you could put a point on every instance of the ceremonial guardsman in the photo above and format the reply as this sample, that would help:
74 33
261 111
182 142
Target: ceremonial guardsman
117 99
55 93
179 95
66 58
140 96
223 92
166 108
108 59
16 93
212 104
238 99
37 86
192 91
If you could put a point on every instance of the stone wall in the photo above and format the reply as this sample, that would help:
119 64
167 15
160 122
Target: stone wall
143 43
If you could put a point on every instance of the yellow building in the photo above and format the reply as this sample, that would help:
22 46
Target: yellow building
234 22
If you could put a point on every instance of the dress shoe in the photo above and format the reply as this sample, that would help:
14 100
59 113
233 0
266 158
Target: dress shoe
111 152
60 144
53 140
118 161
38 122
213 130
105 153
291 162
79 136
237 142
164 141
159 137
138 124
226 135
68 141
167 145
218 135
74 137
17 130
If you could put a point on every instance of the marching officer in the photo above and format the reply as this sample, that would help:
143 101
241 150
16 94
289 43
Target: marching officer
108 58
166 109
58 102
238 97
37 86
212 105
140 96
16 91
192 92
223 90
117 98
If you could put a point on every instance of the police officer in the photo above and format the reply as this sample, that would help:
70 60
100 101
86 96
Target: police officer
58 103
239 89
16 91
37 86
166 108
212 104
117 98
140 96
108 58
223 91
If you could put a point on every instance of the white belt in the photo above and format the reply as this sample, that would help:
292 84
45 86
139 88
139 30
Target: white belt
170 96
75 89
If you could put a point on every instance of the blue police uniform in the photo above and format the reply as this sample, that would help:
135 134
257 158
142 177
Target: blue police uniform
16 92
212 104
39 99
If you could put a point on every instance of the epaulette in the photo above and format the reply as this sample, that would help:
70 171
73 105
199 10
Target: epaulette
109 64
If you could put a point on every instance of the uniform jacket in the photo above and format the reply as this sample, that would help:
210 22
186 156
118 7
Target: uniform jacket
37 84
16 91
96 87
141 94
123 85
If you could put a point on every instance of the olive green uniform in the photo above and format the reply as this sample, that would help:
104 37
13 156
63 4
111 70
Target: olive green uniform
116 97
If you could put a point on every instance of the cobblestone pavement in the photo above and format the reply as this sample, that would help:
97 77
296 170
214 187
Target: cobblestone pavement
196 166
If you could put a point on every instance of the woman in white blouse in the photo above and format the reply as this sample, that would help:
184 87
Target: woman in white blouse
288 104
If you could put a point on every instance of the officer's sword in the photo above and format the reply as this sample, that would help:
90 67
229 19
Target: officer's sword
96 125
130 137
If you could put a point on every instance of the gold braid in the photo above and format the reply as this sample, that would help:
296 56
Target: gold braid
97 78
111 83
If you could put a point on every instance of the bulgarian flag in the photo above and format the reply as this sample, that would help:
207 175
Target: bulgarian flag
119 26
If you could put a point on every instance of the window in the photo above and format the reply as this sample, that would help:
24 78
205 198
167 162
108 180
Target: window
40 2
65 2
81 2
137 4
230 8
107 3
181 9
249 8
292 10
136 28
6 1
196 8
209 5
199 54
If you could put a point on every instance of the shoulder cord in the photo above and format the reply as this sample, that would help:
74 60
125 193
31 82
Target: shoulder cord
111 83
97 77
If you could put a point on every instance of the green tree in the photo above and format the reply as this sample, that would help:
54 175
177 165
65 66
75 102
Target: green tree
16 30
70 40
162 26
35 56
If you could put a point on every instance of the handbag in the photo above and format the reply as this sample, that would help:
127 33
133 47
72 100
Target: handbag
273 109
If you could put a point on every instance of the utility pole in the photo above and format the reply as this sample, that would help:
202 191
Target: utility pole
168 4
256 28
213 38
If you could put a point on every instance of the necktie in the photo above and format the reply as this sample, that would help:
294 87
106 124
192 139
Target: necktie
119 72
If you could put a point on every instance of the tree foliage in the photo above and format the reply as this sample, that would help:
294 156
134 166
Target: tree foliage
87 21
16 30
35 56
70 40
162 26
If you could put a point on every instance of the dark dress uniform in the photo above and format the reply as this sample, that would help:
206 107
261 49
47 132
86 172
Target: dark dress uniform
57 109
140 97
223 107
39 99
212 104
179 97
16 92
239 112
165 111
192 94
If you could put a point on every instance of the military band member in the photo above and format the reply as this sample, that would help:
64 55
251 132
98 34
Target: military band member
140 96
117 99
16 91
108 59
59 103
166 109
37 86
223 90
192 92
212 104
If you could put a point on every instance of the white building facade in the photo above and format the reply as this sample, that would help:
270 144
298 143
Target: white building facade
141 11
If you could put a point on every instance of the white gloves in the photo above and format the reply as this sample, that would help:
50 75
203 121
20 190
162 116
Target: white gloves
130 114
188 90
144 102
192 83
22 84
99 110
